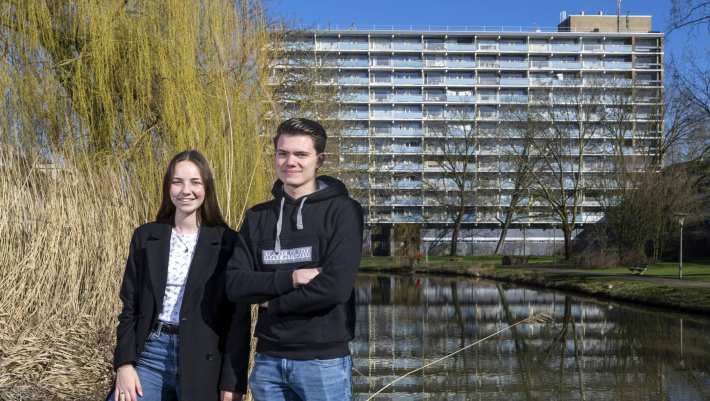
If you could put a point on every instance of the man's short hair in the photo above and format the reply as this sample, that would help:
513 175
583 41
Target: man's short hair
303 126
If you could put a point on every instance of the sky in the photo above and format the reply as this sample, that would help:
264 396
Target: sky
422 13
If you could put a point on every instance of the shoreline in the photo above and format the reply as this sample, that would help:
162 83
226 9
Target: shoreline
638 290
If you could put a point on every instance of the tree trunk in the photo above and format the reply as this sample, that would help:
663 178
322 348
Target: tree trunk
503 232
567 230
455 233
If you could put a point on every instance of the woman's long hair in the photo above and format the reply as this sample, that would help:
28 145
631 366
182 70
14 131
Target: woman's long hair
209 212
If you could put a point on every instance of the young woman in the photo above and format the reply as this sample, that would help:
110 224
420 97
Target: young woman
178 336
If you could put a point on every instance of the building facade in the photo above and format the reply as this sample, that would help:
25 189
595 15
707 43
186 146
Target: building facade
433 117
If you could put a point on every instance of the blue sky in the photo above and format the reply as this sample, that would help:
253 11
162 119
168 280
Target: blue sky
420 13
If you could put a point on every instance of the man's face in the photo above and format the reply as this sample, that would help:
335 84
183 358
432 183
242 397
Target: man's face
297 162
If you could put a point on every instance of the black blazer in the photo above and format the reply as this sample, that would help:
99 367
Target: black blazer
214 333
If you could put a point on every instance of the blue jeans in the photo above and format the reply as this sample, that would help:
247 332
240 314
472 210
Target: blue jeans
281 379
157 368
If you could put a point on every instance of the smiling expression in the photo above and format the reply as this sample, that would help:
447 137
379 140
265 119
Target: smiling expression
187 190
296 163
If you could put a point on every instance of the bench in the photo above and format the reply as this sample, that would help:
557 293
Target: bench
640 269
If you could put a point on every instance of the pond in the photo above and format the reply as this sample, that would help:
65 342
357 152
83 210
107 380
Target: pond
590 350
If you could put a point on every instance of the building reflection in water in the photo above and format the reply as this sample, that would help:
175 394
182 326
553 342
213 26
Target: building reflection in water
593 350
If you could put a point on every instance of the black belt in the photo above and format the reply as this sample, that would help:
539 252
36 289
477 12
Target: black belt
162 327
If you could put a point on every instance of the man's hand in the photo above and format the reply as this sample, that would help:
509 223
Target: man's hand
304 276
229 396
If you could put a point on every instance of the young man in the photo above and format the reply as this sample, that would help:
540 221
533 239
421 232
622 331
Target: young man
299 261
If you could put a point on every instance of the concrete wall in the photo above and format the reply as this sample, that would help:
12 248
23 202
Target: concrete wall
606 23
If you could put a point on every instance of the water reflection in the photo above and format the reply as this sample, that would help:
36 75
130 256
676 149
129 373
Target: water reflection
591 351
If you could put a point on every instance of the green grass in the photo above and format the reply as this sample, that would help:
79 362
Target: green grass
698 270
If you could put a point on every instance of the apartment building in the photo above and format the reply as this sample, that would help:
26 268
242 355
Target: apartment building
420 107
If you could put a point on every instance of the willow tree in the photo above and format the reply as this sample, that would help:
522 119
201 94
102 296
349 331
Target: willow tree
96 96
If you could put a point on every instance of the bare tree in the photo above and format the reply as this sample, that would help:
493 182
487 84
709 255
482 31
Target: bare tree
518 175
456 152
561 127
689 13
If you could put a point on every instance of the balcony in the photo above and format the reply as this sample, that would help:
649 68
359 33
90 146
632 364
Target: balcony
434 97
381 115
376 45
596 64
487 64
460 98
407 46
565 47
513 47
434 81
514 98
539 64
353 45
407 81
406 149
647 66
646 82
375 62
413 167
434 46
407 200
565 65
353 115
609 48
513 64
593 47
382 98
488 81
539 47
487 98
408 98
487 115
433 115
352 63
647 48
566 82
352 80
355 98
381 80
407 63
407 115
460 81
462 47
355 149
355 132
461 63
514 81
488 46
617 65
406 132
541 81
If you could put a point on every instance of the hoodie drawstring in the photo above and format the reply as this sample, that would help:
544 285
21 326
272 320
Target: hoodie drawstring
299 217
277 245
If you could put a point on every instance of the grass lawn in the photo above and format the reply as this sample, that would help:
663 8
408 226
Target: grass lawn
697 270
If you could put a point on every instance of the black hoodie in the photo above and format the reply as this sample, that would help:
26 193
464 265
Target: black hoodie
322 229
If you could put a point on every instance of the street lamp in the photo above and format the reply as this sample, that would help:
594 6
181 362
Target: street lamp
681 221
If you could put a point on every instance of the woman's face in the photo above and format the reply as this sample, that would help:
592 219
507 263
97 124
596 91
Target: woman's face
187 190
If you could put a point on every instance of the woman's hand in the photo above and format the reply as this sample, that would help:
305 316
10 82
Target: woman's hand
128 386
229 396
